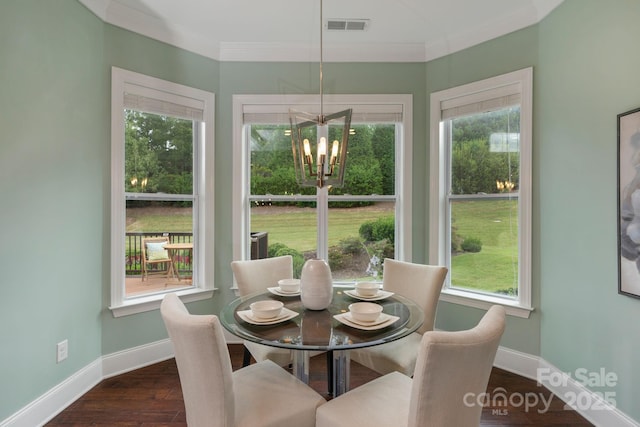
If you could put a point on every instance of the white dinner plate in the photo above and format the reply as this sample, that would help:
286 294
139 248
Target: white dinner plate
382 322
285 315
377 297
277 291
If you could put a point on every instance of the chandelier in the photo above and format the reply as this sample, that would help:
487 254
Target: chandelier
314 164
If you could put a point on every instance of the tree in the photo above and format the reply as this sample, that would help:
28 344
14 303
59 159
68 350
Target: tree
475 168
384 148
160 150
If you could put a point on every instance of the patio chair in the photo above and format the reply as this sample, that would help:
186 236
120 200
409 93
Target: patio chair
154 254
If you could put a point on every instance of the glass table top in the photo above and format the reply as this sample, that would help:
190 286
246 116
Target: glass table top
319 330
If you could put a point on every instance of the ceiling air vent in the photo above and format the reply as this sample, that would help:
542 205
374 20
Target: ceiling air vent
347 24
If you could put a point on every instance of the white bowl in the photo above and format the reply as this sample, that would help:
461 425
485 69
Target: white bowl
367 289
266 309
365 311
289 285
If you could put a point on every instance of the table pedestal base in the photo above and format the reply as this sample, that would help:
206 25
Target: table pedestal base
341 369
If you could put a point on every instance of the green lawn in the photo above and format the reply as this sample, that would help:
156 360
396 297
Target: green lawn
494 223
495 267
296 228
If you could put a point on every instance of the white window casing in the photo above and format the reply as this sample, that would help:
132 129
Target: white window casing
477 97
130 90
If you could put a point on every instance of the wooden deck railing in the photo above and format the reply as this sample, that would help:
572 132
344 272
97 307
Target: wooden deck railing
133 250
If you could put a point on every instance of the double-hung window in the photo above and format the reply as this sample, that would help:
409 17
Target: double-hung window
354 227
161 154
480 197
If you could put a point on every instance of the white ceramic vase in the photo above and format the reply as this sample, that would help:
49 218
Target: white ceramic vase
316 287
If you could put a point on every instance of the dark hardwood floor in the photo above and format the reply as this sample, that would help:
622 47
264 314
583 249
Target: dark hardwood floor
151 397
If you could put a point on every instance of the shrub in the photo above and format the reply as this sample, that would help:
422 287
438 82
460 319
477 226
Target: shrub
471 244
274 248
337 258
351 245
384 228
366 231
280 249
380 229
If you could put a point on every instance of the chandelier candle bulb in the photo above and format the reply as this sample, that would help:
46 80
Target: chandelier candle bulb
322 150
307 149
334 153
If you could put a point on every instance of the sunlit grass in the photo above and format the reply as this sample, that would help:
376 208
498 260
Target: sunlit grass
493 222
297 228
495 267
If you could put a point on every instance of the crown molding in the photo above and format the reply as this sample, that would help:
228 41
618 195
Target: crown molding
117 14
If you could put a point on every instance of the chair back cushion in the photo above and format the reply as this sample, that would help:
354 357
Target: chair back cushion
257 275
203 363
156 251
452 369
418 282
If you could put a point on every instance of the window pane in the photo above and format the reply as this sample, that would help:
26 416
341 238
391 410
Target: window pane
272 169
151 219
291 229
484 246
370 165
158 154
485 152
360 237
485 160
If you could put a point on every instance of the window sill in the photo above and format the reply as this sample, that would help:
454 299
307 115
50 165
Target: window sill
513 308
152 302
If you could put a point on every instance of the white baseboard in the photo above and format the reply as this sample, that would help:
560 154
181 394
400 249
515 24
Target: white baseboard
136 357
587 403
47 406
58 398
519 363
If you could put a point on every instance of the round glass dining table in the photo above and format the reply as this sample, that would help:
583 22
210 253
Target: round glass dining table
320 330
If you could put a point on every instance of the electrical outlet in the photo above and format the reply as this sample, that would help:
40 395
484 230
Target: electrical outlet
63 351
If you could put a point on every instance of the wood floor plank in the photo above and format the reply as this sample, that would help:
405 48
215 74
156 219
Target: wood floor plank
152 397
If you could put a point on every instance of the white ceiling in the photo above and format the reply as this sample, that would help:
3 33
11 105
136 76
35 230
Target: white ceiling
289 30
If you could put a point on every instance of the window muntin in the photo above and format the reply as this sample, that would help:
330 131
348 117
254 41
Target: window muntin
337 213
162 135
481 191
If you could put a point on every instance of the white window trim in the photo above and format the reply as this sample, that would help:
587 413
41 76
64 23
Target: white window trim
308 103
160 89
437 198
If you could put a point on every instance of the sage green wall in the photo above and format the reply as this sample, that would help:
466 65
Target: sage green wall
512 52
53 179
589 62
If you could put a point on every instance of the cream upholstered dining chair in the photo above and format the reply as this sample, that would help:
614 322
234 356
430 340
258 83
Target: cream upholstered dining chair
257 275
260 395
451 372
420 283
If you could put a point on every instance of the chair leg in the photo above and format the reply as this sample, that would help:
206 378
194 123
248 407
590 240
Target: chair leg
330 372
246 357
